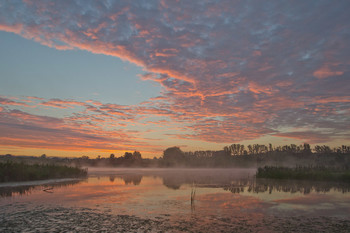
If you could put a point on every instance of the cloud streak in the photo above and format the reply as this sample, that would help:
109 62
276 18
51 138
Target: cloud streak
22 129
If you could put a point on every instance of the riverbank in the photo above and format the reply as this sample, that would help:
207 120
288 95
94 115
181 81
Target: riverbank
10 171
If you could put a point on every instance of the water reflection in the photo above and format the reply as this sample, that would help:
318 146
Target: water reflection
8 191
287 186
233 180
128 179
235 183
132 179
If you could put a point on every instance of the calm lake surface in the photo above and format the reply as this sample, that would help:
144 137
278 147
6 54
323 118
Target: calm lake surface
182 199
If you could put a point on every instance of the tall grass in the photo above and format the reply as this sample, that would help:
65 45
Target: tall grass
10 171
304 173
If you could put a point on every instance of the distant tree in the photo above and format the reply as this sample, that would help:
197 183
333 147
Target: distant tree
43 156
127 155
323 149
227 150
112 159
326 149
242 149
317 149
136 155
307 148
220 154
270 147
345 149
173 154
250 149
293 148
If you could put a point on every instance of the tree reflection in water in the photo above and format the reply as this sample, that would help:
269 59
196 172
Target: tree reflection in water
294 186
234 182
128 179
132 179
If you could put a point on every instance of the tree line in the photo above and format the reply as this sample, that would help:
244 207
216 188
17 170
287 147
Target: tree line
234 155
239 155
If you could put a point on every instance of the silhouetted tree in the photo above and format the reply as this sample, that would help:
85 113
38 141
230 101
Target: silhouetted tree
173 155
136 155
128 156
307 148
270 147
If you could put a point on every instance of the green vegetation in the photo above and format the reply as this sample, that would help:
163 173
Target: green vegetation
10 171
304 173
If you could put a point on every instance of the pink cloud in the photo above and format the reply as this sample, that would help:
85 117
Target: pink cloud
326 72
325 100
9 102
57 103
21 129
17 28
34 98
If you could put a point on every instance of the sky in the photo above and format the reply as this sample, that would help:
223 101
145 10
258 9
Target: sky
84 77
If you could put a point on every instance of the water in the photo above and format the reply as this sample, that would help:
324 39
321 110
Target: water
186 200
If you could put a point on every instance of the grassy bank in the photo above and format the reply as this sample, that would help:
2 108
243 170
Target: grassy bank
10 171
304 173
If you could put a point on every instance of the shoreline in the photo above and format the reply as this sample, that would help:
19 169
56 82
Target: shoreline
58 218
37 182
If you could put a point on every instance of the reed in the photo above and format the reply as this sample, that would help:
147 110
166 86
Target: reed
10 171
193 195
